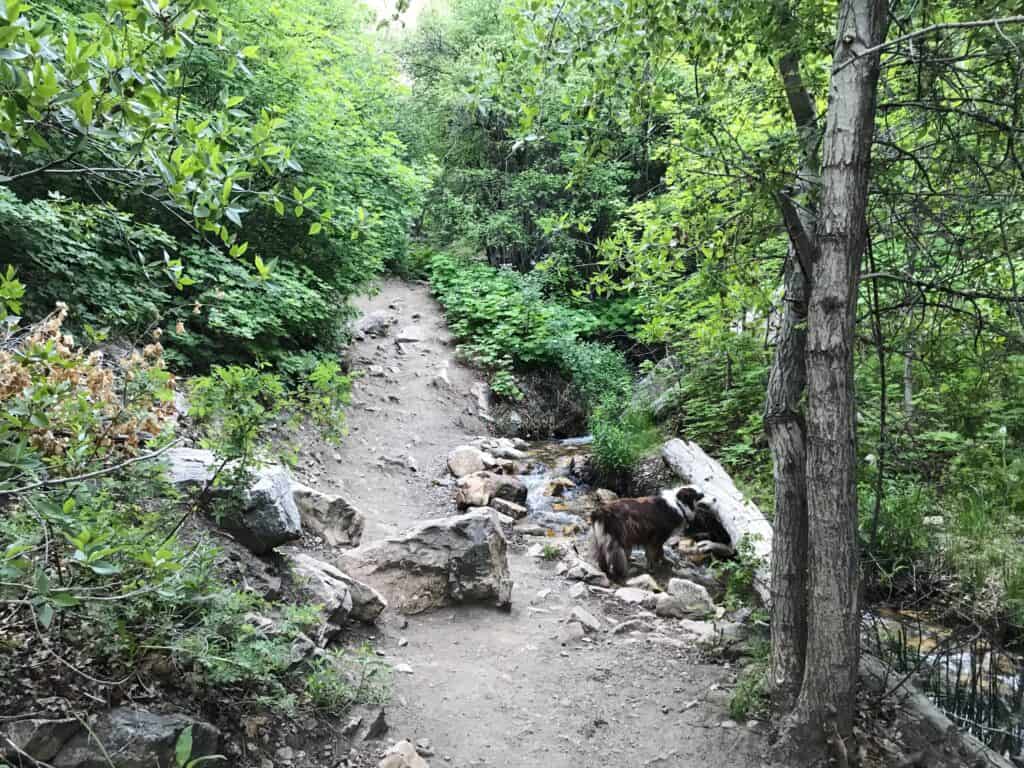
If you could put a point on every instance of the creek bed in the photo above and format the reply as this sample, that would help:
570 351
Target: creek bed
979 686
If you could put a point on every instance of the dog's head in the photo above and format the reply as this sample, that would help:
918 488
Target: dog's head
685 499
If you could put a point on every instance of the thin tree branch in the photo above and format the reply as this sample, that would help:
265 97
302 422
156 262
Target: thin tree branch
927 31
90 475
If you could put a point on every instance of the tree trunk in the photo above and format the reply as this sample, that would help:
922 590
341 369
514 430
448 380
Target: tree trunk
824 709
783 420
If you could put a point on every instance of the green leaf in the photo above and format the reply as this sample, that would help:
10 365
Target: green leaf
183 747
315 228
44 614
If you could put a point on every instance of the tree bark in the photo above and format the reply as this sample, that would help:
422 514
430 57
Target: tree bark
826 699
783 419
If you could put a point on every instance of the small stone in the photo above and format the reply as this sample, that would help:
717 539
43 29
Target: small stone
644 581
571 632
351 728
577 590
402 642
378 727
285 754
424 748
403 669
632 595
587 619
266 762
728 724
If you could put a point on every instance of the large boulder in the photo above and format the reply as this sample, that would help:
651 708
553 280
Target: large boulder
479 488
340 596
329 515
134 738
455 559
266 515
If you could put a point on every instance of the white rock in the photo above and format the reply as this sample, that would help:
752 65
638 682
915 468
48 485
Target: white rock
586 618
403 755
695 597
632 595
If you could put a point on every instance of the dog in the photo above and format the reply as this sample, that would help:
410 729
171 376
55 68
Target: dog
622 524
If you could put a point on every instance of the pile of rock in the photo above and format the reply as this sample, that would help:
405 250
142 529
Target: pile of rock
273 511
273 508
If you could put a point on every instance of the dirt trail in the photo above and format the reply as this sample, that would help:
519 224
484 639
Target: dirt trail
500 689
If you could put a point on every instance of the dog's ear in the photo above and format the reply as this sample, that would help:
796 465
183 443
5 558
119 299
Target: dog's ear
689 495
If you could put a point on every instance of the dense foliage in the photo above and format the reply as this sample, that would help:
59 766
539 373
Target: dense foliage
193 187
695 112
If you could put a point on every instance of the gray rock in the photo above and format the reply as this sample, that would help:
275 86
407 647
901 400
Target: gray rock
329 515
41 739
137 738
510 508
465 460
402 755
694 597
341 596
455 559
268 516
670 606
410 334
376 323
587 619
633 595
481 488
577 590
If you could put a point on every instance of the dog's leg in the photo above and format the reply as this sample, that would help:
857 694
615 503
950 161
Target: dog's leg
618 561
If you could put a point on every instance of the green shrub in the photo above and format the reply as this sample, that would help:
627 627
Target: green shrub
343 678
118 274
623 434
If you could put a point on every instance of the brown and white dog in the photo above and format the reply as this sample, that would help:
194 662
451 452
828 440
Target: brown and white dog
622 524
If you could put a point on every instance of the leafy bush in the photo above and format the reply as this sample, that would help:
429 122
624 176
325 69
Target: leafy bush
89 550
506 324
343 678
118 274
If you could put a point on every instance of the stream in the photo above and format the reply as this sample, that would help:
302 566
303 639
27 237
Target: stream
980 687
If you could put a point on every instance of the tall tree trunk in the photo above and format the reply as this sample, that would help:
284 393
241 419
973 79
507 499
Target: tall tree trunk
783 420
824 708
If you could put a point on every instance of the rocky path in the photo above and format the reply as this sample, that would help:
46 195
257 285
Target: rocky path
516 689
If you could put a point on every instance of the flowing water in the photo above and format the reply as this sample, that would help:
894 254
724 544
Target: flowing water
555 498
979 686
